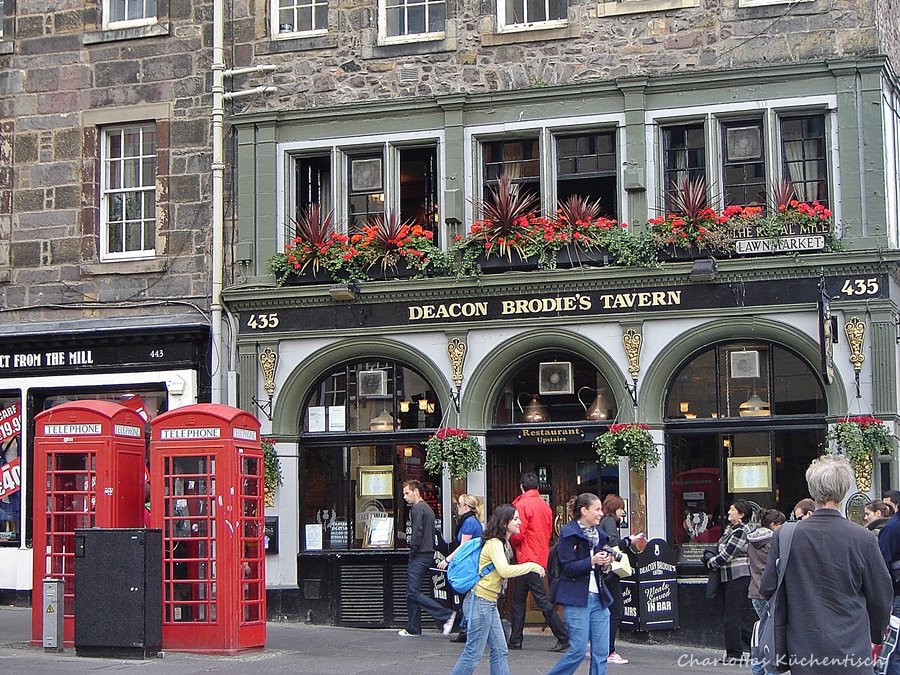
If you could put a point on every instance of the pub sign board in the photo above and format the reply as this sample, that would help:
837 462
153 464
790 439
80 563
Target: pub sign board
571 303
651 595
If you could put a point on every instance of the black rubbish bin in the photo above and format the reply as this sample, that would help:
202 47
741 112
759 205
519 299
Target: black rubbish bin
118 589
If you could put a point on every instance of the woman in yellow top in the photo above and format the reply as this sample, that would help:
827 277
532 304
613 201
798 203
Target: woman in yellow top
483 618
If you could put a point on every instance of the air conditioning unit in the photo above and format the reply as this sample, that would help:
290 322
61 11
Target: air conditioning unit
744 364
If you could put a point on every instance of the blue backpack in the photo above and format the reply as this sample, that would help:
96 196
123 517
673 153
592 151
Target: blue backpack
463 572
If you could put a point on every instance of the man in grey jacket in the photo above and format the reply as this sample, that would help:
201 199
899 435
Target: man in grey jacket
837 586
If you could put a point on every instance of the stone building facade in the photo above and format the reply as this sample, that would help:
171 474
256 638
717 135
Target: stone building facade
104 219
459 92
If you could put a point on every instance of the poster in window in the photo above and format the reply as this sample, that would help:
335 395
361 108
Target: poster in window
315 418
337 418
750 474
313 537
380 533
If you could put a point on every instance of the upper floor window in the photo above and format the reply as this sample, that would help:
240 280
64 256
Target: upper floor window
524 14
125 13
583 164
128 189
750 158
398 178
2 16
410 18
299 16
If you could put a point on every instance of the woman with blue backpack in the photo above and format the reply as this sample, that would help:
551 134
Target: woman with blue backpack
467 527
582 591
484 627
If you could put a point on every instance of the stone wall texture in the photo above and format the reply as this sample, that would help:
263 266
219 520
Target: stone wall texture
60 68
349 66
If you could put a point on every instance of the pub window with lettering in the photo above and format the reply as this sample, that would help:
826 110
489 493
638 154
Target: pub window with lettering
749 159
364 425
743 421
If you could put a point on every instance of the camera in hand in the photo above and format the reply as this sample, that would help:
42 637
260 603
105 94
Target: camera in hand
614 552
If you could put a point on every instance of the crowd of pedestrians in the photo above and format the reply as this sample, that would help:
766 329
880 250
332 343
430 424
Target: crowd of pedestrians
841 582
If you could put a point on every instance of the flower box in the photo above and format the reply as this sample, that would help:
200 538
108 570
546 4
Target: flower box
672 253
308 277
570 256
398 269
496 264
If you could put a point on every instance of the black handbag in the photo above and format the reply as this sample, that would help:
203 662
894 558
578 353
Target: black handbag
769 642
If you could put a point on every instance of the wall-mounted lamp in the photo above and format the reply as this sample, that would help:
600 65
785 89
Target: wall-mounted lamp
268 361
404 406
430 408
683 407
407 451
690 416
704 269
343 292
423 404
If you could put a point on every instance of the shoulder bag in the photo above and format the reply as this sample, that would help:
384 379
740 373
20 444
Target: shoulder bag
769 642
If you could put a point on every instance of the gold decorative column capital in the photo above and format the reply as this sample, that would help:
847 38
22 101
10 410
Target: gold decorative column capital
457 349
632 341
268 361
855 329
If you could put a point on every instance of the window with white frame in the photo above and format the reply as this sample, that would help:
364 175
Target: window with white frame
126 13
583 163
394 178
128 192
525 14
411 18
739 171
292 17
2 17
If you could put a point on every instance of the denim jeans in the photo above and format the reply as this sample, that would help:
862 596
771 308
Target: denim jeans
756 667
484 629
416 601
583 623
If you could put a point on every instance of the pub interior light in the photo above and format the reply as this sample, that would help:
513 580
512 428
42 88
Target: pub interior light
384 422
404 406
343 292
754 407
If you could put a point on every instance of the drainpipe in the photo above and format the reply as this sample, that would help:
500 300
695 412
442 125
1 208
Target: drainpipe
219 73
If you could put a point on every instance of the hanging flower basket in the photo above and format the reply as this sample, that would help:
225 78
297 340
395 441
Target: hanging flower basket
628 440
859 439
455 449
272 467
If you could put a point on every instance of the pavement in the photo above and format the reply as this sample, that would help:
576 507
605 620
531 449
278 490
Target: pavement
321 650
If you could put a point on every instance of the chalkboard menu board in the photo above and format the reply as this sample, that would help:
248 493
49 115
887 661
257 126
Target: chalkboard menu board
651 595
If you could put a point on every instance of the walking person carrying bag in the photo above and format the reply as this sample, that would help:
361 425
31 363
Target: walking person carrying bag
769 643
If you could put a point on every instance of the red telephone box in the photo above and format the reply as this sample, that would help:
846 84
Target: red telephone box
88 472
206 494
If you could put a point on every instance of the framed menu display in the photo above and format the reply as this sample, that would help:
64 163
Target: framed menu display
376 481
750 474
380 532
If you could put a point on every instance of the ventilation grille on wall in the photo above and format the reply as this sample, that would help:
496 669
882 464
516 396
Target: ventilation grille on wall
409 74
362 594
371 383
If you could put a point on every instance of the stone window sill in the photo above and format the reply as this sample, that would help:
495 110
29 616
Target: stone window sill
124 267
535 35
136 33
297 44
643 6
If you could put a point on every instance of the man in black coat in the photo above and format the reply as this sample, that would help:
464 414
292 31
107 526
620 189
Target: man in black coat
837 586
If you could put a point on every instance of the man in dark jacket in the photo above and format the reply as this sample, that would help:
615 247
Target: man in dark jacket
889 543
837 587
421 557
532 544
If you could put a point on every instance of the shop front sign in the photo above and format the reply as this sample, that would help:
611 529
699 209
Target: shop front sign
585 303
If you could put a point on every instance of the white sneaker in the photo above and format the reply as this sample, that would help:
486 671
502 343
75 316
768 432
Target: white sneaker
448 624
615 658
405 633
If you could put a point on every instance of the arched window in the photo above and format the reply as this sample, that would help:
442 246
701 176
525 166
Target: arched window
555 387
363 429
744 420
